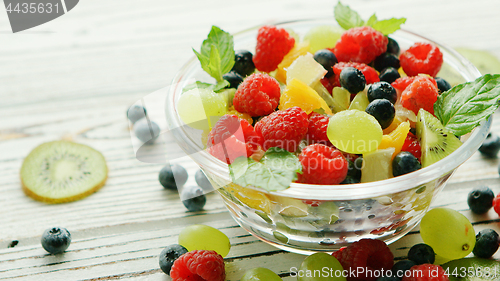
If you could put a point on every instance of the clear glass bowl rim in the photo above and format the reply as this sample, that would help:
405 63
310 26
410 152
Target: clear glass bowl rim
217 168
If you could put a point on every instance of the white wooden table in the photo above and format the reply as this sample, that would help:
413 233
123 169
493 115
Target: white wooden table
76 76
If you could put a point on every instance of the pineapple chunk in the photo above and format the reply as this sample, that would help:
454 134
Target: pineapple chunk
306 69
297 93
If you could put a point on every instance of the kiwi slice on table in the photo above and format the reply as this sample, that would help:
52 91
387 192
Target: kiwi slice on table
435 140
63 171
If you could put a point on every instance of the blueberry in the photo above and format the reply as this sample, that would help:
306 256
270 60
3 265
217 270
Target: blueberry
404 163
383 111
487 242
388 278
169 255
382 90
480 200
202 181
233 78
352 79
193 198
327 59
135 113
399 268
386 60
421 253
56 240
354 169
443 85
389 75
350 180
146 130
171 176
490 146
392 46
243 63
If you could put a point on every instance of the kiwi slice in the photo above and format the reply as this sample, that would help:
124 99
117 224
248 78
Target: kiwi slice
435 140
472 269
63 171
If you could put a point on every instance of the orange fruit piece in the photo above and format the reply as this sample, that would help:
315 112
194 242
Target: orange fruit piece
297 93
396 138
298 50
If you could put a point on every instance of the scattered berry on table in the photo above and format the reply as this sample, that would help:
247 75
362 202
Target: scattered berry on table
422 58
171 176
412 145
496 204
260 274
386 60
426 272
169 255
487 242
421 93
480 200
243 63
146 130
233 78
360 44
389 75
193 198
322 164
136 112
202 180
283 128
393 46
316 132
352 79
442 84
399 268
199 265
327 59
421 253
258 95
382 90
490 146
371 75
273 44
383 110
404 163
204 237
56 240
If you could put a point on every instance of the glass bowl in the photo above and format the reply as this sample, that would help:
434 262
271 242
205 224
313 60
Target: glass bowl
310 218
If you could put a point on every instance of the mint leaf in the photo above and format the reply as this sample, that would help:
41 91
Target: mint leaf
202 85
346 17
463 107
389 26
280 158
217 53
372 20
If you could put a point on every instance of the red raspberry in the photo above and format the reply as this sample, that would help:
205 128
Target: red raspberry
421 58
257 95
283 128
400 84
412 145
496 204
199 265
425 272
370 73
231 138
327 82
316 132
322 164
361 44
421 93
272 45
372 254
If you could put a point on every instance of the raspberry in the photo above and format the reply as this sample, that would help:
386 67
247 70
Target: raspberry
360 44
421 93
421 58
372 254
496 204
425 272
199 265
283 128
327 82
227 142
412 145
258 95
272 45
322 165
316 132
370 73
401 83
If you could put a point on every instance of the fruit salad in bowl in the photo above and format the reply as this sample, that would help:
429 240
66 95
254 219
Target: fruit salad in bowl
319 133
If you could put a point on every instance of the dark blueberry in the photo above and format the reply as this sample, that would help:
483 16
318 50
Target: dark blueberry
243 63
146 130
172 176
169 255
388 278
443 85
56 240
404 163
233 78
487 242
350 180
421 253
382 90
393 46
386 60
354 169
490 146
352 80
399 268
389 75
202 180
327 59
480 200
193 198
135 113
382 110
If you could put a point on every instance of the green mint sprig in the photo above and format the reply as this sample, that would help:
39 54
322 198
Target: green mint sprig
463 107
348 18
202 85
217 53
276 170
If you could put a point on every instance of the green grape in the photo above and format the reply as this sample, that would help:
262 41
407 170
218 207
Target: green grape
323 36
204 237
260 274
360 102
201 108
448 232
354 131
319 267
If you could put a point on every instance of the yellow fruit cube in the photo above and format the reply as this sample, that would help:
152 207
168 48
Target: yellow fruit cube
297 93
298 50
396 138
306 69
